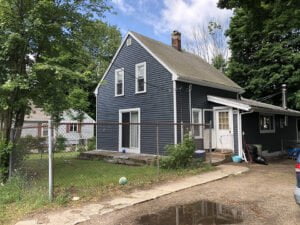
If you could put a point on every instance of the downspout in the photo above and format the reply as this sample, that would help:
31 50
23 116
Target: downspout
190 102
96 124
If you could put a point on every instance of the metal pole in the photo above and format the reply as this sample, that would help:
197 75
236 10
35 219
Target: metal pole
50 160
181 134
11 154
210 140
157 148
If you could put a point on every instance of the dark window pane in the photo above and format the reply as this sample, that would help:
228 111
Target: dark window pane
141 85
119 88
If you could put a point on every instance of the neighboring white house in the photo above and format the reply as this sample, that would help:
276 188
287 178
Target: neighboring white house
36 125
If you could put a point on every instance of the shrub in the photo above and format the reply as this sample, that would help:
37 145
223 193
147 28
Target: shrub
60 144
5 150
81 148
180 155
26 145
91 144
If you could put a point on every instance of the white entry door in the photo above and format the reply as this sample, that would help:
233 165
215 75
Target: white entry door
224 128
129 130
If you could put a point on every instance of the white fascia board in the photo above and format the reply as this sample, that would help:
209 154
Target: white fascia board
211 84
227 102
108 68
174 76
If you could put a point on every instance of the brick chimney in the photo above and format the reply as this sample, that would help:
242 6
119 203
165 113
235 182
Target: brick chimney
176 40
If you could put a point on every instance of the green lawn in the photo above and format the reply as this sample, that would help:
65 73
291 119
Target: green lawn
90 180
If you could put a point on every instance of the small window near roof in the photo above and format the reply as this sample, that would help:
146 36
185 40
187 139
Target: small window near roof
267 124
128 42
140 77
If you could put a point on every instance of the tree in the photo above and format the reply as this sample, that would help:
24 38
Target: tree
219 62
49 53
209 41
265 43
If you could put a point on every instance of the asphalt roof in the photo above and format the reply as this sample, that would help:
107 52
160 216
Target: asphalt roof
187 66
252 105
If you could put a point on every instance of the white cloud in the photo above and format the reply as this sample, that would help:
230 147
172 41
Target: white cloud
184 15
124 6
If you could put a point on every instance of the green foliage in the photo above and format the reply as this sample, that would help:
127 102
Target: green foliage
219 62
91 144
73 177
180 155
52 54
5 149
60 143
27 145
264 42
12 190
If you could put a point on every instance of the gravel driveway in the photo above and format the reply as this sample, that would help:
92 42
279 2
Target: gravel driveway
265 196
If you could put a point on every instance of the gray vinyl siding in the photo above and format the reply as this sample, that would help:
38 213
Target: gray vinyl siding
235 134
198 100
269 141
155 105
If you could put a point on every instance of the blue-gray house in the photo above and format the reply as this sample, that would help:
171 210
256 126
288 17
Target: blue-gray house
149 81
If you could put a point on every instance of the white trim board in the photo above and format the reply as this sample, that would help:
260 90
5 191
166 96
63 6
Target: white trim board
228 102
136 77
174 76
110 65
120 128
175 111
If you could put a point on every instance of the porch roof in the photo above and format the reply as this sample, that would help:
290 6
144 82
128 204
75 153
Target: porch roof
252 105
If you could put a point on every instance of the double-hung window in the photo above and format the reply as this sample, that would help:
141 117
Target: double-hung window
197 121
267 123
119 82
74 127
140 78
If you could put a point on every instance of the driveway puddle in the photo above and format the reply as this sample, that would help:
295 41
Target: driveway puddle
199 213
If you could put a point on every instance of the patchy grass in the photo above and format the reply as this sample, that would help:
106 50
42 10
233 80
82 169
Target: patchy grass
90 180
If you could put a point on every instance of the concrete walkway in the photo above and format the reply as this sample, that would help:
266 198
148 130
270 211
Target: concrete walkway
80 214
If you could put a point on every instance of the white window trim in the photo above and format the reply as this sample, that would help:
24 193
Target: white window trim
206 125
199 111
128 41
116 73
138 149
44 128
267 131
75 125
136 78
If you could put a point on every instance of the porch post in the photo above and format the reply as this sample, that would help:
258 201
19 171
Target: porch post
240 137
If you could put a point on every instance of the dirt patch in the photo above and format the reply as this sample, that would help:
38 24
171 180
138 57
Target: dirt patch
264 195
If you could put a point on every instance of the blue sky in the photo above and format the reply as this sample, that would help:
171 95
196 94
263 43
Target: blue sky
158 18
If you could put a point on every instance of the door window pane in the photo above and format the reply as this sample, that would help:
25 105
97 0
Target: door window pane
223 121
134 130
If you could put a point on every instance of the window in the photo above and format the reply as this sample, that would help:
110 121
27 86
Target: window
140 77
197 119
223 121
128 42
208 116
283 122
44 130
119 82
267 124
74 127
